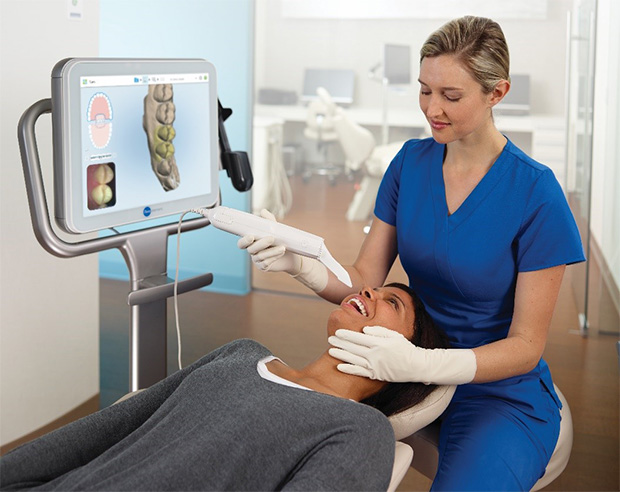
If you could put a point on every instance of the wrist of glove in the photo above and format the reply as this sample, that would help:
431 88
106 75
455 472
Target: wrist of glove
312 273
271 258
386 355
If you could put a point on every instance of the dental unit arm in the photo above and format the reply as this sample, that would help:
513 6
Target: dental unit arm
293 239
236 163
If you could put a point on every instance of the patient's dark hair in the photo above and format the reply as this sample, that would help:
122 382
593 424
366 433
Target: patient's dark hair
396 397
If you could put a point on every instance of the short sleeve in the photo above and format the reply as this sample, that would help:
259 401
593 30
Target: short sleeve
387 196
548 235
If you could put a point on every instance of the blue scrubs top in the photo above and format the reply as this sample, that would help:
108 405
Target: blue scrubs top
464 266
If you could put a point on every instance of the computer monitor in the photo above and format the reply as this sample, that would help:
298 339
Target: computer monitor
134 139
517 101
397 64
339 83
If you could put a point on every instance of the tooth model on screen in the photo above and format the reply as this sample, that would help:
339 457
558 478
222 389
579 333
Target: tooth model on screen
159 114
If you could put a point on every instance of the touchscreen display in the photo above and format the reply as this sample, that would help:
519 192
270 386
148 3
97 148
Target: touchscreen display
143 140
134 139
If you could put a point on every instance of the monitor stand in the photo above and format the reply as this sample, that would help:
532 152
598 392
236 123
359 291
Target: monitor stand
145 252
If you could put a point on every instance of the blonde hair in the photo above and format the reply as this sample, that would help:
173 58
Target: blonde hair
479 44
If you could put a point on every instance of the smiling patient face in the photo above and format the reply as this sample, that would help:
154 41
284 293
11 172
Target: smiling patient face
390 307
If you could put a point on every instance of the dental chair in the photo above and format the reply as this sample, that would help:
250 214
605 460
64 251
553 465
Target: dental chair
418 429
319 128
361 153
411 421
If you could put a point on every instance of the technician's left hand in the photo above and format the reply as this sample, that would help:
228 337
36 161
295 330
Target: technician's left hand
386 355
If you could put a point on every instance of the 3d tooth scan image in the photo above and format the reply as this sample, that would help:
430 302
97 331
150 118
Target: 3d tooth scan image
101 186
159 115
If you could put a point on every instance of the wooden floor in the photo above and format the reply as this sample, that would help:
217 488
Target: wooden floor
293 327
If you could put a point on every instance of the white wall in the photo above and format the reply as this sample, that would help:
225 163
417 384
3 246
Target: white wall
49 307
285 46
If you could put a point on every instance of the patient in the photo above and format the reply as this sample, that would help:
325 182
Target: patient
241 419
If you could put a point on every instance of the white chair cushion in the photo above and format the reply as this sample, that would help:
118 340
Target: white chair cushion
380 159
419 416
425 444
561 453
403 454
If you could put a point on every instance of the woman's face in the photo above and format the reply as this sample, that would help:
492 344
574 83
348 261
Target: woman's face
452 100
390 307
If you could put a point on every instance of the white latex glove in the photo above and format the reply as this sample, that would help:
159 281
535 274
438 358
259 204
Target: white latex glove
386 355
270 258
266 256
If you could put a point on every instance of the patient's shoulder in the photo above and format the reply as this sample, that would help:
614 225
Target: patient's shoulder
243 349
362 423
246 345
369 420
364 444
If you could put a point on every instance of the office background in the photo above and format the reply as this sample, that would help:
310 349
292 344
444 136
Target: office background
286 44
49 338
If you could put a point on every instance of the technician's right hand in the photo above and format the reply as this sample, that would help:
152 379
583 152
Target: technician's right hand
269 258
266 256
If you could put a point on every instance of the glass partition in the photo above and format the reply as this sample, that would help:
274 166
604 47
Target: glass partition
603 297
580 96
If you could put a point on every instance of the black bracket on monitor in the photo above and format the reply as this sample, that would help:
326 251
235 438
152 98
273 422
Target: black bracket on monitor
236 163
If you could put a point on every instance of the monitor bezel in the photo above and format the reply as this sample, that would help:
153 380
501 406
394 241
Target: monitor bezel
69 192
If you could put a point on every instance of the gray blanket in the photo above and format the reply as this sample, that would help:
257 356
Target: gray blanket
215 425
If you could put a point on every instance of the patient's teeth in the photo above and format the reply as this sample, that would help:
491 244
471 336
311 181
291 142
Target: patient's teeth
359 304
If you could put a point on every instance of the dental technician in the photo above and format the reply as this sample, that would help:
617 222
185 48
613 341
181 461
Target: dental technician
484 234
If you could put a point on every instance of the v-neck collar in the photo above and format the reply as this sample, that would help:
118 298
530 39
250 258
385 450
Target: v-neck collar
477 195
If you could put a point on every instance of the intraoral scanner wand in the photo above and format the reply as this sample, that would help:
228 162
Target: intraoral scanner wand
294 240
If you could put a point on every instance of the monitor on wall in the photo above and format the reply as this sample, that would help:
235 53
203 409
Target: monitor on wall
339 83
397 64
517 101
134 139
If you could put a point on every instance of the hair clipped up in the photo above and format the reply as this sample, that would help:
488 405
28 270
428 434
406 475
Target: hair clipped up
479 43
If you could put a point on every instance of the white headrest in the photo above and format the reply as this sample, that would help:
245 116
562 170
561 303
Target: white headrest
381 157
419 416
